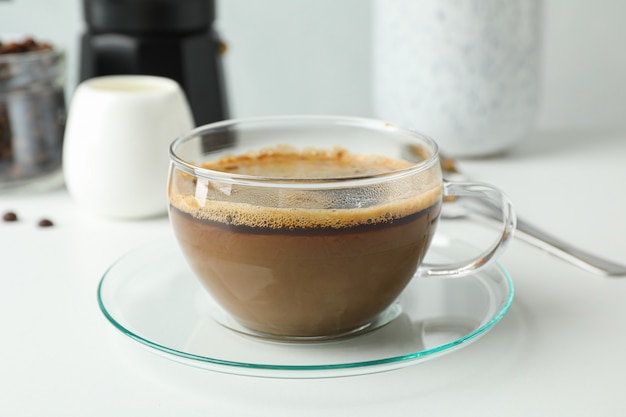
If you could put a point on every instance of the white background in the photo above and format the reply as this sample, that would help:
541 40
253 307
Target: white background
312 56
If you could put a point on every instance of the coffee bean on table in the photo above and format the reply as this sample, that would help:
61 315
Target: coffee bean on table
45 223
9 216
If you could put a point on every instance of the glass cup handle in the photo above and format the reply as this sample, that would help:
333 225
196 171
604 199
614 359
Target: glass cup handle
496 202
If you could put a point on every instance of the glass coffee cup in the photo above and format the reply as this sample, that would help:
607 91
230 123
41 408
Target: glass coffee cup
308 228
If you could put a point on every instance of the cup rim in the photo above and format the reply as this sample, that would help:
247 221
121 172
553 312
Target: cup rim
268 181
112 84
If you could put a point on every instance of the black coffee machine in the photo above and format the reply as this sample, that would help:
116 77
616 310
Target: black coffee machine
169 38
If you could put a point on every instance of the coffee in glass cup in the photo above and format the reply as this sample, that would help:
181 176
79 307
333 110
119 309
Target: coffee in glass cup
309 228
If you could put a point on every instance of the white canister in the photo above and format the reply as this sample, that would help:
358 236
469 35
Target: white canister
116 145
466 72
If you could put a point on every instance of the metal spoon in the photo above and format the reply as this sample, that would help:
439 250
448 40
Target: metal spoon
540 239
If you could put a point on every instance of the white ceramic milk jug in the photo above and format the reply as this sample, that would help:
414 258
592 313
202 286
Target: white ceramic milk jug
116 145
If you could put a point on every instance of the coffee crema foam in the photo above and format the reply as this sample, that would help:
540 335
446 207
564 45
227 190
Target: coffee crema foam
285 161
305 209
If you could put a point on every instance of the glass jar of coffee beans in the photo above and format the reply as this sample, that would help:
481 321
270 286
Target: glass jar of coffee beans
32 111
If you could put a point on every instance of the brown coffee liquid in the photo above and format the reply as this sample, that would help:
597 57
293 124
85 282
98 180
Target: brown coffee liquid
308 270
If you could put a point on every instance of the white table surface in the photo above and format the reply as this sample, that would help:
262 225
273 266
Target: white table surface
561 349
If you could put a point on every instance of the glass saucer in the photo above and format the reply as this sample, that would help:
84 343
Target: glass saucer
151 296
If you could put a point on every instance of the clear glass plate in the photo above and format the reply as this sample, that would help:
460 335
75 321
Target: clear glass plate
151 296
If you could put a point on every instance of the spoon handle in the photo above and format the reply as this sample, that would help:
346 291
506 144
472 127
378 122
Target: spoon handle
579 257
533 235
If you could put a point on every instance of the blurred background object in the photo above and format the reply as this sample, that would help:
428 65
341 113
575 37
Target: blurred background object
32 111
167 38
304 56
465 72
115 150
